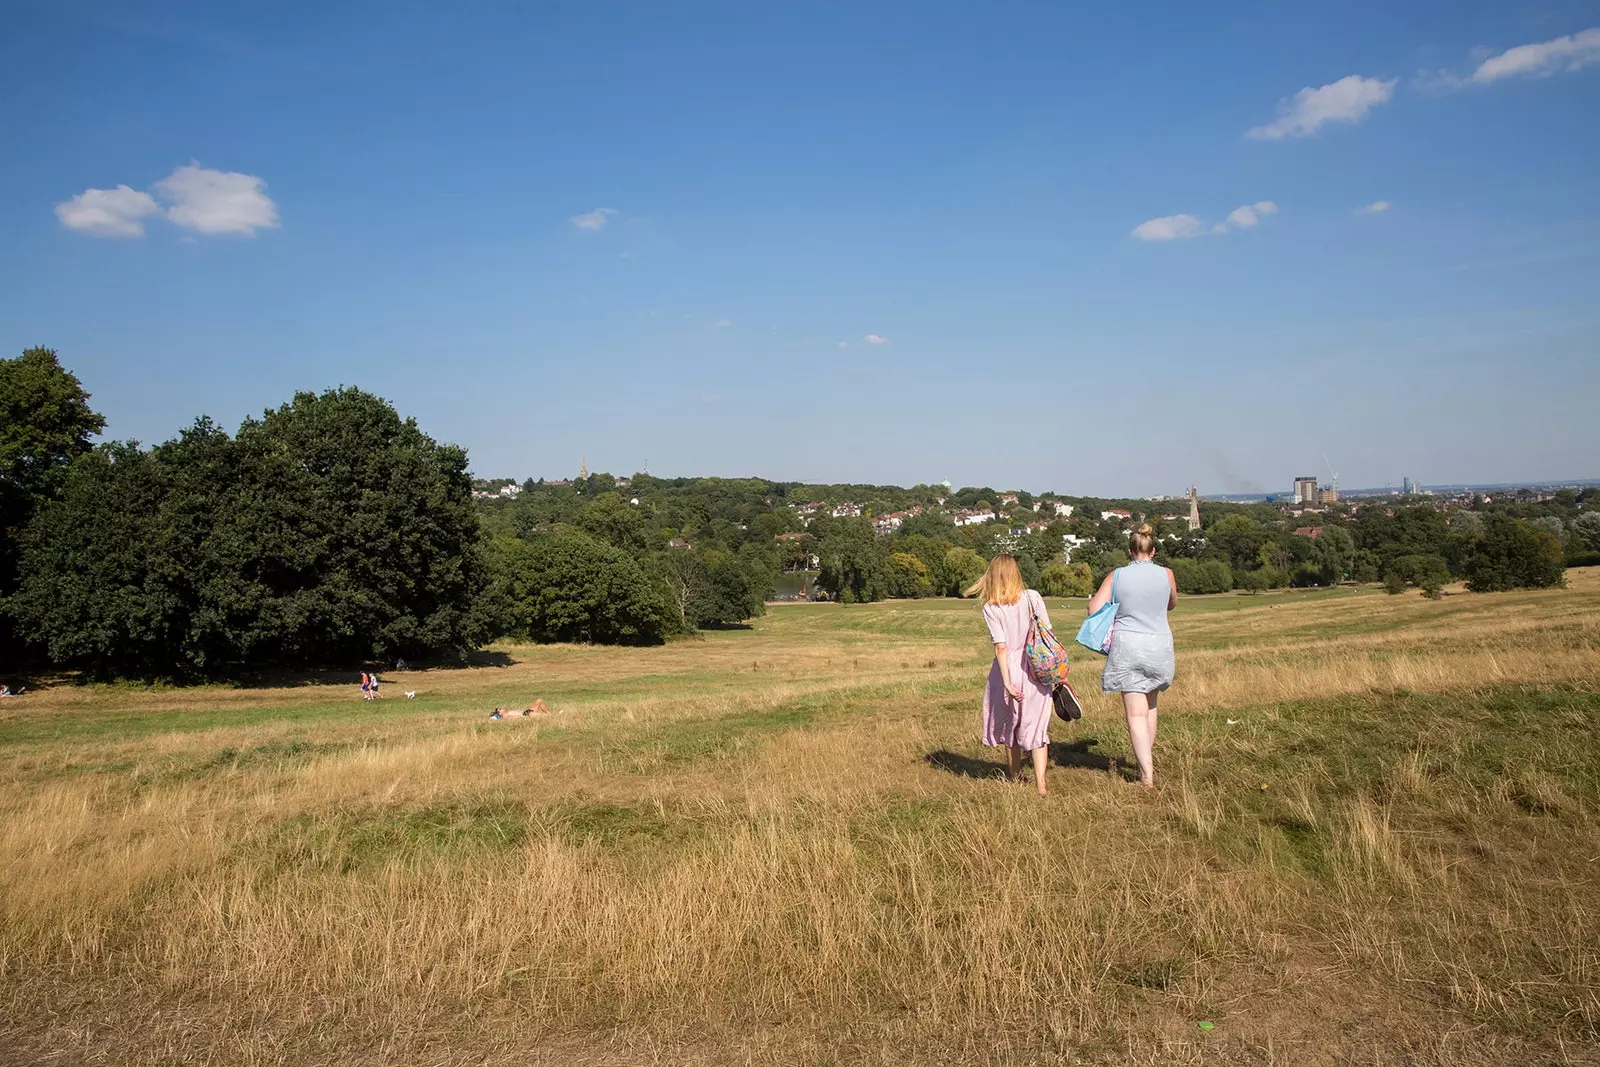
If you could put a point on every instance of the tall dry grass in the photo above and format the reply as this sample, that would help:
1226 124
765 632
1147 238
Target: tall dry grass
785 846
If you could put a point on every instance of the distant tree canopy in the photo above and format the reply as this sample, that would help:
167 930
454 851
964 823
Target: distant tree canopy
1513 554
1066 579
565 585
329 530
854 562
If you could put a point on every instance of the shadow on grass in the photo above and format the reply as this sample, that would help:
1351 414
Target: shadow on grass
285 677
965 766
1068 754
1077 754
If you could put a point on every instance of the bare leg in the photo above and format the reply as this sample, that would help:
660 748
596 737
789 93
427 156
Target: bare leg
1014 756
1141 734
1041 759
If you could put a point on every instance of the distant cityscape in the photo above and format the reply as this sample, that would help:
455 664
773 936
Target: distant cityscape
1304 490
1308 490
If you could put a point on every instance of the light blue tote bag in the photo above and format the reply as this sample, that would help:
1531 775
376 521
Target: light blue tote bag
1095 633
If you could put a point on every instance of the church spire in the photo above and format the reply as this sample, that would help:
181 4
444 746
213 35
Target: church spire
583 468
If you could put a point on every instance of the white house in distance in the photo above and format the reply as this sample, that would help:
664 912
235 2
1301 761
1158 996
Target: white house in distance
1116 513
974 518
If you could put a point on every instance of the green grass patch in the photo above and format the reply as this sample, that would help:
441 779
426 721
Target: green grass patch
354 840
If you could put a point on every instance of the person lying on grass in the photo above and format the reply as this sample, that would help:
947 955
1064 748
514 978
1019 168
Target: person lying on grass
536 710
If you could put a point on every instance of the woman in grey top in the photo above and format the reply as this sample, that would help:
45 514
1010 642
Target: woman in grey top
1140 664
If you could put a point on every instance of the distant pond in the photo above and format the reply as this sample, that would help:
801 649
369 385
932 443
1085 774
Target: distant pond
790 583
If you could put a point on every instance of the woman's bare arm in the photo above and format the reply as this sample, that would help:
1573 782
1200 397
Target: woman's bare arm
1172 597
1004 662
1103 596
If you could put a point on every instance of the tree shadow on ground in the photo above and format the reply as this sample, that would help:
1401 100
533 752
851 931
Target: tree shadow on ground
289 677
1066 754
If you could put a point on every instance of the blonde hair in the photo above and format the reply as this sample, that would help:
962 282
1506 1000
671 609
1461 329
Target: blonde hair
1001 582
1142 542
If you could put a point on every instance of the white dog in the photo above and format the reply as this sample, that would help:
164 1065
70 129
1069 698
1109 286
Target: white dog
411 694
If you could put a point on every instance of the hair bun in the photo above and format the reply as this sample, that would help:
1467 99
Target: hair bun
1146 529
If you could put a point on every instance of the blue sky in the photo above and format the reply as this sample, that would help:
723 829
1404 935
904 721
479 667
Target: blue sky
890 242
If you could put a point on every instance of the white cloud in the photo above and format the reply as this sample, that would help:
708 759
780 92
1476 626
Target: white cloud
594 220
721 324
107 212
874 339
1547 57
217 201
1346 100
1377 207
1178 227
844 344
1246 216
1169 228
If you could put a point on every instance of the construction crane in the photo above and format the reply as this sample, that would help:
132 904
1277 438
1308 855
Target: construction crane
1332 472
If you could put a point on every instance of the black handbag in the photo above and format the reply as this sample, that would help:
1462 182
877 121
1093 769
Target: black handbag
1066 702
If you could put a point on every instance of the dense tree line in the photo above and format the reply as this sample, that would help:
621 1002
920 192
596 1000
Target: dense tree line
329 530
45 423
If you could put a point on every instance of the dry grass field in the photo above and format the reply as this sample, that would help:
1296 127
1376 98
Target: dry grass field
1376 841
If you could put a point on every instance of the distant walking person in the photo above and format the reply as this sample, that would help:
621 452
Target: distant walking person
1016 709
375 693
366 686
1140 664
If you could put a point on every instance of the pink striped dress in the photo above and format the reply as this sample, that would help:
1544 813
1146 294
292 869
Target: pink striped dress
1004 723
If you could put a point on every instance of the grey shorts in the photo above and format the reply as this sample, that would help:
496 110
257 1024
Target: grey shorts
1138 663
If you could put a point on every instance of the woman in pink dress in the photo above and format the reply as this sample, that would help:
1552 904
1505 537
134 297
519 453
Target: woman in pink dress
1016 709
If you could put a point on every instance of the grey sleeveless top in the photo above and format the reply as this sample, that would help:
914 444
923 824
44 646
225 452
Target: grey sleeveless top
1142 593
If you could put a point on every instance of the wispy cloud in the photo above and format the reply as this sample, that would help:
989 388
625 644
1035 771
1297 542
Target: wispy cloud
1179 227
197 198
1377 207
1547 57
1246 216
217 201
1169 228
874 339
594 220
721 324
118 212
1346 100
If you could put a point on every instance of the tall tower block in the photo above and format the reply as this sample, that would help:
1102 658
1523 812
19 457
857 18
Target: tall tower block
1194 510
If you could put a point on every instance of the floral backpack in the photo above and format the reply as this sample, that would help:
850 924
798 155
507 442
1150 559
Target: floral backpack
1044 658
